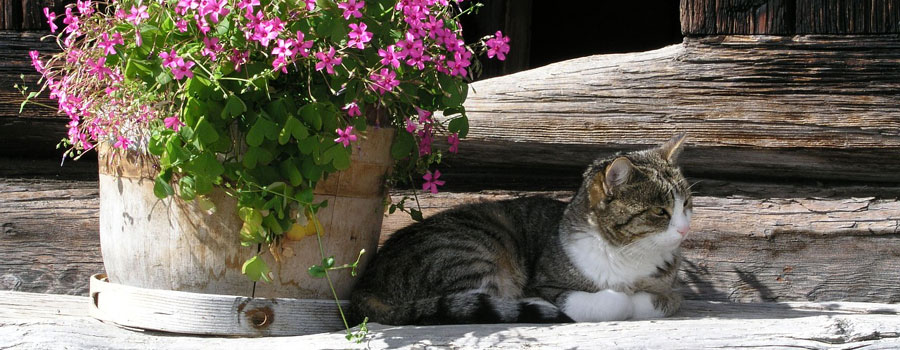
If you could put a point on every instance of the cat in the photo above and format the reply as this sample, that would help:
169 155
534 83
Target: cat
610 254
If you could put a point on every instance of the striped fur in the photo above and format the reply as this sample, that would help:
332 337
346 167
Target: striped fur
611 253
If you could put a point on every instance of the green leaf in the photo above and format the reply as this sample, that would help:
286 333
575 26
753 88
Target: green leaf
186 187
256 155
308 145
256 269
298 130
263 128
316 271
289 170
206 132
416 215
340 157
312 115
403 145
455 91
310 170
305 197
460 125
234 107
156 146
290 129
208 165
161 188
250 216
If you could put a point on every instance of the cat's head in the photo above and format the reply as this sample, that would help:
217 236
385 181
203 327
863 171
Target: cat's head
639 195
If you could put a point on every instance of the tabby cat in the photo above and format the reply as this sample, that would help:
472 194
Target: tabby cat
611 253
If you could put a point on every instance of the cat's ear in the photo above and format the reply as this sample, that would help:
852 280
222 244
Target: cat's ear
670 150
617 173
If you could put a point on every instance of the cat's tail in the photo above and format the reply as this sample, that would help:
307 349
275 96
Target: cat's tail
461 308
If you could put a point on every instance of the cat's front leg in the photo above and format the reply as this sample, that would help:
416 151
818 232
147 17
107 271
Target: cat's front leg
605 305
655 305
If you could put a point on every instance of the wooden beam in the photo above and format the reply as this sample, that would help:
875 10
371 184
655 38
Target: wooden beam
789 17
718 17
848 17
28 321
804 107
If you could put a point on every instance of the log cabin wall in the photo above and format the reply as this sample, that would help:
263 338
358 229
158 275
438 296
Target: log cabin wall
792 107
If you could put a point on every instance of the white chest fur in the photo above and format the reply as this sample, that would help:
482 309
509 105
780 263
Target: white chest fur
614 267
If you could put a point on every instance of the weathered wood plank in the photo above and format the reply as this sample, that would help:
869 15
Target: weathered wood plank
788 17
29 14
48 235
750 242
847 17
754 107
14 64
25 323
716 17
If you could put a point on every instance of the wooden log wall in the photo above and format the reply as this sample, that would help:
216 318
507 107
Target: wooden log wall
789 17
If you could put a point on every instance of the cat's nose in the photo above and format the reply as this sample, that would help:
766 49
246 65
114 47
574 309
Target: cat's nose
684 230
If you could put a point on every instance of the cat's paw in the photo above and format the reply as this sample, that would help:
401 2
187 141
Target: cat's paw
605 305
643 307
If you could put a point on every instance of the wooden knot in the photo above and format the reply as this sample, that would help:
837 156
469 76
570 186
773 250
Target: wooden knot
260 318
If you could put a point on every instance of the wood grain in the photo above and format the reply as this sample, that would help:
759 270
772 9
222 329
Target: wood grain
29 325
716 17
29 14
789 17
210 314
823 107
48 235
847 17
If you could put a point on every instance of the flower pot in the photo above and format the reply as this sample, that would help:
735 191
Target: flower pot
171 244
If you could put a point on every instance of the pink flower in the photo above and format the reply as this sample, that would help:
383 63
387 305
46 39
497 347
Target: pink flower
213 9
98 67
389 57
352 109
266 31
173 123
122 143
460 63
108 45
426 139
239 58
36 61
211 47
310 4
410 126
384 81
327 61
424 115
498 46
358 36
51 16
84 7
351 8
302 46
345 136
182 69
181 25
247 5
453 140
431 181
283 48
71 21
168 58
137 15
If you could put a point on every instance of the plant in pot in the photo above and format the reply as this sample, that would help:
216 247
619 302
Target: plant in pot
247 140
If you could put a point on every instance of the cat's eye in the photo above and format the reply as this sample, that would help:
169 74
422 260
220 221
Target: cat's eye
660 211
